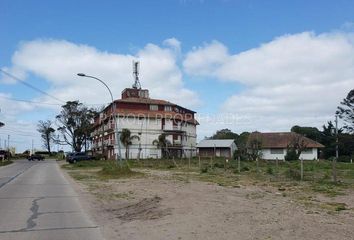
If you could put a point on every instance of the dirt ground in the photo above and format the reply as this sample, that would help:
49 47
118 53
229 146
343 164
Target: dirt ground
161 206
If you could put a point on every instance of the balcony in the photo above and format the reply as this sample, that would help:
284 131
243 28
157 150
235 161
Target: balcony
177 142
172 128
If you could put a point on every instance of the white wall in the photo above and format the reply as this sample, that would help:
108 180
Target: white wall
266 154
150 129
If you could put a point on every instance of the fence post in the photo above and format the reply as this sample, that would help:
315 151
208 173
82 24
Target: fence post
276 167
302 168
239 164
199 161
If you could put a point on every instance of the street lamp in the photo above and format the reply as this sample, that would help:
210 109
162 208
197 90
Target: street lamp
118 155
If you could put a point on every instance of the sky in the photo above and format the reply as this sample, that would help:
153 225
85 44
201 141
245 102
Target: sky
243 65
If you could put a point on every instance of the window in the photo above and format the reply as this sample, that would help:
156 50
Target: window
276 151
168 108
307 151
154 107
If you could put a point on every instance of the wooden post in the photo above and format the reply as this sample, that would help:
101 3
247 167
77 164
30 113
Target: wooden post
239 164
211 162
199 161
276 167
302 168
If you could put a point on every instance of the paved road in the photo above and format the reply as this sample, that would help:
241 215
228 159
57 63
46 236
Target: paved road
37 202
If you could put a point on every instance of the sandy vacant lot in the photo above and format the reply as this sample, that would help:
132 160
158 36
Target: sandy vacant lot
162 206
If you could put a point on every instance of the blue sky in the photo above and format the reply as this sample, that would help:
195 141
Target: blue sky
202 28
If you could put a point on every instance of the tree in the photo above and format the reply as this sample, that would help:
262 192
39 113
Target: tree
346 112
295 147
126 139
241 143
309 132
163 144
224 134
74 123
254 146
47 133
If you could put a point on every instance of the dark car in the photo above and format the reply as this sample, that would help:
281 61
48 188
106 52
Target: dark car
4 154
78 156
35 157
68 155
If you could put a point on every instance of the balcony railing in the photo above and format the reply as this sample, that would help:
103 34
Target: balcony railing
172 128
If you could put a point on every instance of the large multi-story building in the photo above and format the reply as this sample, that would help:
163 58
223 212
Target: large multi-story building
147 119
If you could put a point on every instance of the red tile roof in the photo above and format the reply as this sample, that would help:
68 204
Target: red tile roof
281 139
145 101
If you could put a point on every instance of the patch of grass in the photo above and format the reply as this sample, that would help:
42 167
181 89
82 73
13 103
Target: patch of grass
79 176
328 188
4 163
114 171
333 206
86 164
219 177
99 170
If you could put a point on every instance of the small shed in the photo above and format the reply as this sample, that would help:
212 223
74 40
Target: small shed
216 148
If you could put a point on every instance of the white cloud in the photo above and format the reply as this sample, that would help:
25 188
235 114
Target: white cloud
294 79
173 43
58 62
204 61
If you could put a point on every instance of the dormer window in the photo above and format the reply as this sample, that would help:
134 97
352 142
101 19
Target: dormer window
154 107
168 108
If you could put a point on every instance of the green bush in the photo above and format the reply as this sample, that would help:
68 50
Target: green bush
204 169
219 165
112 170
245 169
270 170
291 155
99 157
344 158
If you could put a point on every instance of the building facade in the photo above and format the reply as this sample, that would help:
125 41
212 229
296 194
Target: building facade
216 148
147 119
274 145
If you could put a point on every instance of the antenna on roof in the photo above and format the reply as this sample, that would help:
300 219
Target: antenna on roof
136 75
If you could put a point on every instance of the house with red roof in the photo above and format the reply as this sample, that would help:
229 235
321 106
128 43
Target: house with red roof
274 145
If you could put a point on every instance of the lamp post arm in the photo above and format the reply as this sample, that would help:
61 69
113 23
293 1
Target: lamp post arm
117 135
103 84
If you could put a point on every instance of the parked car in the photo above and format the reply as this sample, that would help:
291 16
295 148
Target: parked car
78 156
35 157
4 155
67 155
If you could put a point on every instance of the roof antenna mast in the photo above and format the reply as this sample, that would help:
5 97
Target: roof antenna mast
136 84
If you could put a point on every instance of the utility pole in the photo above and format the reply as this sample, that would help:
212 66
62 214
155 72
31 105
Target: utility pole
32 147
336 158
8 143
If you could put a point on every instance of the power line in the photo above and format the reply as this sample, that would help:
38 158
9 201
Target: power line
30 86
44 103
28 101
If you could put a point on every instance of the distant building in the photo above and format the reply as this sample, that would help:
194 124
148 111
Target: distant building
147 119
216 148
274 145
